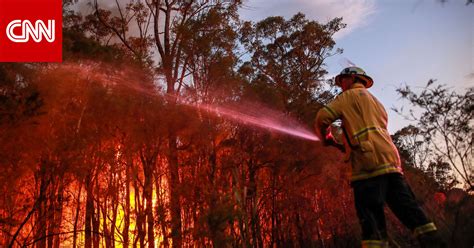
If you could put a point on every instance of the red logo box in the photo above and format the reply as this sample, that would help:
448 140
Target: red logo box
30 30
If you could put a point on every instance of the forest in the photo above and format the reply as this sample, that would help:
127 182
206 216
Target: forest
127 143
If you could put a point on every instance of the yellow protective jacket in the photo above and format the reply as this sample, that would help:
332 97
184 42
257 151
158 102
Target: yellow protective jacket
370 147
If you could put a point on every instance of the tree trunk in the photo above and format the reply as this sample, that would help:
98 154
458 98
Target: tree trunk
106 233
139 215
148 192
76 219
174 192
89 211
41 213
216 239
59 212
126 216
50 213
148 161
96 218
160 210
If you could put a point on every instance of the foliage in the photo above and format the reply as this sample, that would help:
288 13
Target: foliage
443 131
288 56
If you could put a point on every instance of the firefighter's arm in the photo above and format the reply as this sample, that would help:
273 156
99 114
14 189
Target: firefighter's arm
323 121
327 115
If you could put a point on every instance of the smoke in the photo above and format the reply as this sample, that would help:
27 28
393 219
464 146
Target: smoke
345 62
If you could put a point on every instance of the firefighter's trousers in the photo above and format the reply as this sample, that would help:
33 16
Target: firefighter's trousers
370 196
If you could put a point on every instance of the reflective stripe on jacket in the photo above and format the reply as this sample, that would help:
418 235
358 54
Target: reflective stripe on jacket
371 150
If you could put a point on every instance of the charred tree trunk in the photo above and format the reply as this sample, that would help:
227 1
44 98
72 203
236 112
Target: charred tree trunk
274 235
89 211
127 206
174 192
254 215
50 215
96 216
76 219
215 236
149 214
160 207
148 161
42 203
59 212
299 229
114 220
106 233
140 216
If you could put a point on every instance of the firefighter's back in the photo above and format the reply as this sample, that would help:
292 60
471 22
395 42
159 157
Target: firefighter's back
365 121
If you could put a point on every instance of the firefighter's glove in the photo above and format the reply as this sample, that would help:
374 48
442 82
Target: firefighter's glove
330 141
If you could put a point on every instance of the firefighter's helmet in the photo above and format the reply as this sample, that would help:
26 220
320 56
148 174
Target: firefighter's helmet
356 71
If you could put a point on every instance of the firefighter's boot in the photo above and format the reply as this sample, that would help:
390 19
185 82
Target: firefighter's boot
431 240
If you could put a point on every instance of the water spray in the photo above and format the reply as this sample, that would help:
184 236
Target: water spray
259 116
245 113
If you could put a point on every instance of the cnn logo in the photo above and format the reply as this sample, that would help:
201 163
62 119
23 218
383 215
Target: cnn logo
37 32
33 33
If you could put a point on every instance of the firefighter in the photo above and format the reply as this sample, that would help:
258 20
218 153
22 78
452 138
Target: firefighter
377 176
